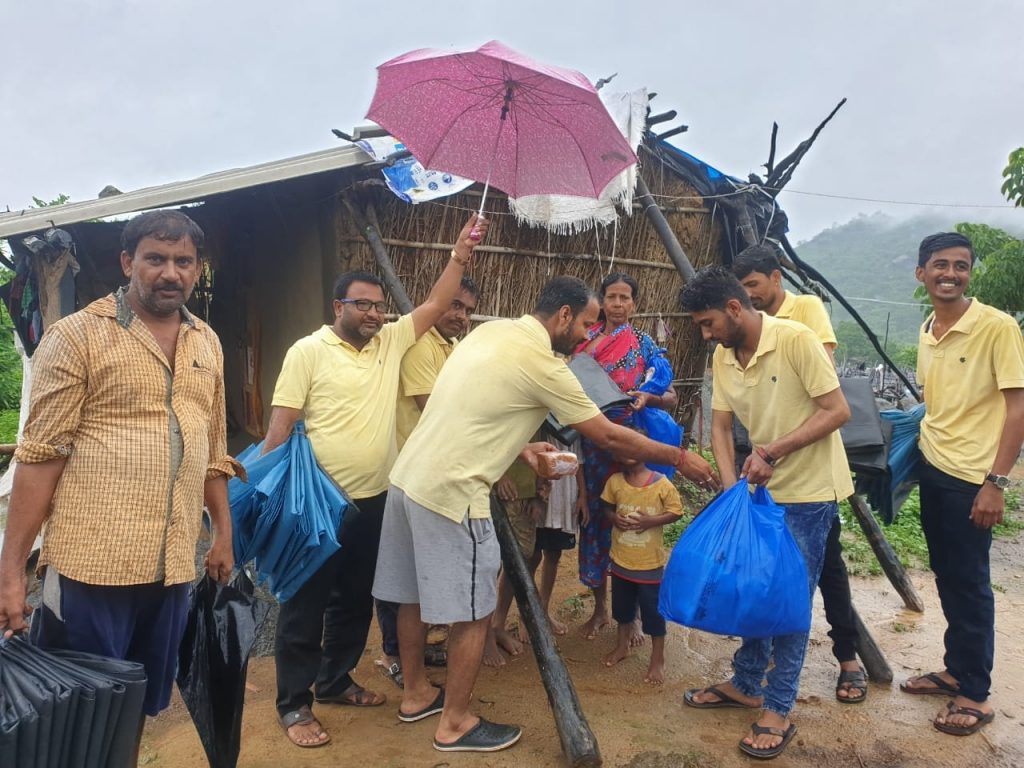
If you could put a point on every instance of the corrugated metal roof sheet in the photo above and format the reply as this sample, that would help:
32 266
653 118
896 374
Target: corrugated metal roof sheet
33 219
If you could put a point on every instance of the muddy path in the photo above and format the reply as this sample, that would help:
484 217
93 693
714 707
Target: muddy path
639 726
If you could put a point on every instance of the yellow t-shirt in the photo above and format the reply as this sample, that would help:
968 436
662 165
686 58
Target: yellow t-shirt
347 397
420 367
491 396
963 375
773 396
640 550
810 311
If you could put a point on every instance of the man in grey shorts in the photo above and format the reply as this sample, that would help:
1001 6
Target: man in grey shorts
439 557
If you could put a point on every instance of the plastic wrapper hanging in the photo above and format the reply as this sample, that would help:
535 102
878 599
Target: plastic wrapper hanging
737 570
213 660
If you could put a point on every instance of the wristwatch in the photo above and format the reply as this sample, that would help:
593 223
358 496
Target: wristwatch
1002 482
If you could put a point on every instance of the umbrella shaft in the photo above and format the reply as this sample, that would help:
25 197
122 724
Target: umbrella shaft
494 154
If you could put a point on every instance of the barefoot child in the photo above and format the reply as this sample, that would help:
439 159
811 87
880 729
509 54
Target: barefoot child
640 502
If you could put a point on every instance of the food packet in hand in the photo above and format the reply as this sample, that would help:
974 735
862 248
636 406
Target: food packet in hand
553 464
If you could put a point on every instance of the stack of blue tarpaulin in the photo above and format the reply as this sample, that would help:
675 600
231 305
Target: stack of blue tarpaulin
287 515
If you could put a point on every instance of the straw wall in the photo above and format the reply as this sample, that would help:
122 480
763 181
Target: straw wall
521 259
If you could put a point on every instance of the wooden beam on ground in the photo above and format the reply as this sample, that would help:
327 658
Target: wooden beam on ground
7 449
891 565
578 742
875 664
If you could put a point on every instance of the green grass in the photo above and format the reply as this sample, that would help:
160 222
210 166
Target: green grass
8 426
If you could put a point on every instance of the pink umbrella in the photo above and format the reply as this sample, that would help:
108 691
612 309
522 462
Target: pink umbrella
496 116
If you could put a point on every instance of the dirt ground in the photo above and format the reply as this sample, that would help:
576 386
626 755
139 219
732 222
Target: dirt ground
639 726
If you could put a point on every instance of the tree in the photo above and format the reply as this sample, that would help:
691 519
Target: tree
1013 186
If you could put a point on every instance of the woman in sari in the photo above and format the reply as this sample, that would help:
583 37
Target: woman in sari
626 354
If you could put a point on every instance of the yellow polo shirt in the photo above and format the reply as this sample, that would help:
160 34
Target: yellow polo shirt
773 396
491 396
420 367
810 311
640 550
963 375
347 397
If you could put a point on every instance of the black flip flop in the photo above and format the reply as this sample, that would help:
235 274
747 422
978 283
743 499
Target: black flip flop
942 688
778 749
484 737
983 719
434 708
854 681
724 699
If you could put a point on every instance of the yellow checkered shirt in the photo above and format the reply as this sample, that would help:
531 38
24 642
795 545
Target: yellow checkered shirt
140 442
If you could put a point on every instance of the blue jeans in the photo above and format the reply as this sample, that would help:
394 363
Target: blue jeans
810 524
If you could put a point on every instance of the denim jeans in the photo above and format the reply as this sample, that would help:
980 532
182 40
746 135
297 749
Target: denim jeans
810 525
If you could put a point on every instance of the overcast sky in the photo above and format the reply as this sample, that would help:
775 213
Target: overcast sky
136 93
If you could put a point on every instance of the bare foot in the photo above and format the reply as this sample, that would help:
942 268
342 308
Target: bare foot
493 657
309 734
618 653
522 635
655 673
507 642
636 639
557 627
595 624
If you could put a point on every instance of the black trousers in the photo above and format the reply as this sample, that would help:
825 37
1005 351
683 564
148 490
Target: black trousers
321 631
835 593
387 618
958 552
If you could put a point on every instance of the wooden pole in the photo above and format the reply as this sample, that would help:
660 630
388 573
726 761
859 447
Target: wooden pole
875 665
7 449
380 253
891 565
668 237
578 742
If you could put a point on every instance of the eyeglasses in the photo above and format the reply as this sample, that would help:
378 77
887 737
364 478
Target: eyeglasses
364 305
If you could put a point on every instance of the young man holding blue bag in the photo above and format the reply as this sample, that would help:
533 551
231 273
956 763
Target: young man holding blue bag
777 379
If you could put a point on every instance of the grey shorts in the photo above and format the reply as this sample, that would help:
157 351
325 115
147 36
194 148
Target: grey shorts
449 568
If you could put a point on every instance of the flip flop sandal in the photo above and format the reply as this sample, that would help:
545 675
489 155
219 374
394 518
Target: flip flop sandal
435 657
302 716
434 708
724 699
767 754
484 737
354 696
852 681
942 688
392 671
983 719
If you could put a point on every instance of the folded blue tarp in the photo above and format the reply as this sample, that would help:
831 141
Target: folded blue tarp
286 517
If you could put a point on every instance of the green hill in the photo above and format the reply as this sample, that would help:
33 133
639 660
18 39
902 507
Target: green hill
871 261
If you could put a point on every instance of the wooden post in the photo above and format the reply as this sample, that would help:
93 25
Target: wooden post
668 237
891 565
380 253
877 667
578 741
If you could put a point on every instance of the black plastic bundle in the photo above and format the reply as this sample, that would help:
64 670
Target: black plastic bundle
67 709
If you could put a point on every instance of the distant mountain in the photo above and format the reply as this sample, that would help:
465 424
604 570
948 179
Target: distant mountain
871 261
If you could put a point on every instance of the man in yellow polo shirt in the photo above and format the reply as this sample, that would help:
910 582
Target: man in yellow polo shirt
343 380
420 367
775 377
971 364
439 556
760 273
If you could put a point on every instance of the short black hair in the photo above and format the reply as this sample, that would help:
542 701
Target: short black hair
561 292
345 280
468 284
170 226
621 277
711 288
940 241
757 258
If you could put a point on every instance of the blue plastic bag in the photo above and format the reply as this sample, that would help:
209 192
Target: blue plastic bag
737 570
661 427
658 377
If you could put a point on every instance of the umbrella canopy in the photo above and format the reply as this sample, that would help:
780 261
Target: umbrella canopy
496 116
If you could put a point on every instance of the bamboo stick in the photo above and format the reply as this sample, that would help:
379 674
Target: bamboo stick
886 556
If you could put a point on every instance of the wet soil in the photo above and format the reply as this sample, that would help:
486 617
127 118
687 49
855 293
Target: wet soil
640 726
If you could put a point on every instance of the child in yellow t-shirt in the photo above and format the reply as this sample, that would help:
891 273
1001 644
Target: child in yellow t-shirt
640 502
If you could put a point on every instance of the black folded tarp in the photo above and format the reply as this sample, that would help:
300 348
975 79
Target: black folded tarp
599 387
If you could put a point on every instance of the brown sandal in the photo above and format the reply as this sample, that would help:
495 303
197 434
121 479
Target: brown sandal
355 696
303 716
939 686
